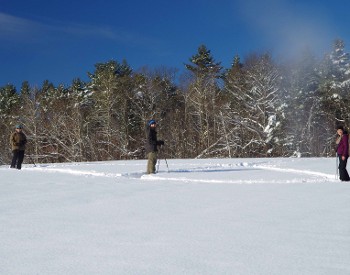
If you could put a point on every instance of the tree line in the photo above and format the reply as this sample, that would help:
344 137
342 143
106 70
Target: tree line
255 108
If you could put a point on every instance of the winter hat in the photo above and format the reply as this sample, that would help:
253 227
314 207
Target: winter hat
152 121
340 128
19 126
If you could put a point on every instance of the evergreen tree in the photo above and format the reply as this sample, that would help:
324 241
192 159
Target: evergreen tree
111 87
203 64
9 116
334 92
25 88
202 98
8 100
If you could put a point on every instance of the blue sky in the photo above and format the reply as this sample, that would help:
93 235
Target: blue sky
63 40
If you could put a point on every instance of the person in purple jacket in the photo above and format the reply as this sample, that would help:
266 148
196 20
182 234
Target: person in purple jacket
343 153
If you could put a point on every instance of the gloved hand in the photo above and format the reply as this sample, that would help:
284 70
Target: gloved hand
161 142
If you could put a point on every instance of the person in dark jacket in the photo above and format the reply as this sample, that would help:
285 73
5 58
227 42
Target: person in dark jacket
343 153
18 142
152 144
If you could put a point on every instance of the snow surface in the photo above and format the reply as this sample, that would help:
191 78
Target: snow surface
207 216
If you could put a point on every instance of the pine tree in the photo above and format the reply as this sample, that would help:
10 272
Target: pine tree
8 99
9 116
111 87
335 75
202 99
203 64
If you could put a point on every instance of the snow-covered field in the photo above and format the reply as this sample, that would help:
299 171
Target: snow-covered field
209 216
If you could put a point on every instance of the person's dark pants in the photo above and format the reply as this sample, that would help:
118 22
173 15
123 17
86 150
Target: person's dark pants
343 173
17 159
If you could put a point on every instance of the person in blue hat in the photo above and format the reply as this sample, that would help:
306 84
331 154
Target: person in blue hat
152 144
18 142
